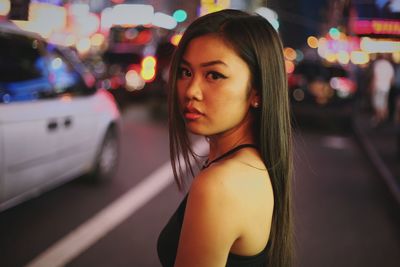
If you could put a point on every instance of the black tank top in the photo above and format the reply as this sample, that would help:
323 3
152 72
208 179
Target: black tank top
167 244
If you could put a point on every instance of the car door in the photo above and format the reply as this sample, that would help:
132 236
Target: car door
77 117
28 118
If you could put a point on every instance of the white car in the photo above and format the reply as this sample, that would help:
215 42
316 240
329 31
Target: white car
54 124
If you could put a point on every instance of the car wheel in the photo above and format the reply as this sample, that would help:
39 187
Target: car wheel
106 159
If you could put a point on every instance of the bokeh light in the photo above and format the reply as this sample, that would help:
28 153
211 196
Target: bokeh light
312 41
5 7
180 15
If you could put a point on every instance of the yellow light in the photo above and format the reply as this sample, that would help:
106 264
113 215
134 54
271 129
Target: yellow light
342 36
149 62
148 71
343 57
176 38
5 7
83 46
396 57
148 74
290 53
97 39
312 41
331 57
66 98
359 57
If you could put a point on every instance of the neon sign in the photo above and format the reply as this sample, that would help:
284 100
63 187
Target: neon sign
378 27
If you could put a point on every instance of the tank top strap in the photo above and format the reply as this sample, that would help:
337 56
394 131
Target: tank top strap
226 154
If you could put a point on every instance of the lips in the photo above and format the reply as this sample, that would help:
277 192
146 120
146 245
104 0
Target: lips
191 113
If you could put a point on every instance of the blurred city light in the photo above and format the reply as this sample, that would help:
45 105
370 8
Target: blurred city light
379 46
85 25
164 21
343 57
70 40
5 7
270 15
97 39
289 66
209 6
331 57
322 47
132 14
40 16
377 27
289 53
83 46
56 63
148 71
79 9
134 81
312 41
396 57
175 39
334 33
299 55
359 57
180 15
106 19
298 94
343 85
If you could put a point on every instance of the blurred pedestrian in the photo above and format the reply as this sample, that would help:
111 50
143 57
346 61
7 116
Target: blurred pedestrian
382 78
228 83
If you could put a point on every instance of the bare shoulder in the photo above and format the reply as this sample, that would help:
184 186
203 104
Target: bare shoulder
210 225
213 190
236 185
229 208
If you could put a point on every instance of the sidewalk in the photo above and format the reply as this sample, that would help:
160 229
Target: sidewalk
379 144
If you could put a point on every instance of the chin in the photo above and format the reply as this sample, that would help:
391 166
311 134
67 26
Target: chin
196 129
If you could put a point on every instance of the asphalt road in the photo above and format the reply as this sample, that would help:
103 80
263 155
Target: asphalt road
344 215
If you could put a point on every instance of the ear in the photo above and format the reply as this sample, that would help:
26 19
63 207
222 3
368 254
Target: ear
255 98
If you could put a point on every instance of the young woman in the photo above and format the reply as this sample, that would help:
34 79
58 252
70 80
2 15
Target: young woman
228 83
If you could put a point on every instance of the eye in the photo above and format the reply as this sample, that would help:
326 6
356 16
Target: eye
213 75
184 73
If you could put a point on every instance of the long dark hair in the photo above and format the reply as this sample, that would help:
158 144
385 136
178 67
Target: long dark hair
259 45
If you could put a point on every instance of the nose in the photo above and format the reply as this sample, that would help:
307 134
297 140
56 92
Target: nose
193 90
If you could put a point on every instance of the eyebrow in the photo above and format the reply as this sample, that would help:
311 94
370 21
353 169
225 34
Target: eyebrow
206 64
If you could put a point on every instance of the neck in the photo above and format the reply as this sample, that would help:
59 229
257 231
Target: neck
223 142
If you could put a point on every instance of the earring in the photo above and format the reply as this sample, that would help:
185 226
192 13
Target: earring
256 104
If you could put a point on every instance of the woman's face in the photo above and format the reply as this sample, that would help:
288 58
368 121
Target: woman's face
213 87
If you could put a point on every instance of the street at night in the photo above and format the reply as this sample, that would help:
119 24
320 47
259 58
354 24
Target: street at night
344 213
89 89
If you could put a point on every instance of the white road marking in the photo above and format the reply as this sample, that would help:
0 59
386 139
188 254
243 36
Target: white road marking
336 142
110 217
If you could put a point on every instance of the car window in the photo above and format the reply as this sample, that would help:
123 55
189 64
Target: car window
22 69
62 75
34 70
